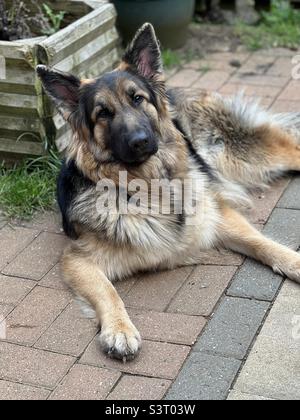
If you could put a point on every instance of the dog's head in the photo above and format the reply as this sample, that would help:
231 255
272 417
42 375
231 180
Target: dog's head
118 115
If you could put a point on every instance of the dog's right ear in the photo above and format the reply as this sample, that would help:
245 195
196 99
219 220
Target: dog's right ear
62 88
143 55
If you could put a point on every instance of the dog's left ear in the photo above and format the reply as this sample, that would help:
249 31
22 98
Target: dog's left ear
144 54
62 88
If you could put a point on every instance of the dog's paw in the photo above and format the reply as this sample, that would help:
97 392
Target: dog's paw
121 342
290 268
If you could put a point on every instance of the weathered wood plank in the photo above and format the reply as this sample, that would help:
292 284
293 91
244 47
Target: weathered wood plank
19 50
21 147
13 100
58 120
63 140
20 124
62 43
97 47
17 88
94 4
98 65
18 79
76 7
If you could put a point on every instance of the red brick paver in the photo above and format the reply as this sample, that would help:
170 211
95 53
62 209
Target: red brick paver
185 78
10 391
86 383
156 360
153 291
70 333
35 314
13 290
12 241
291 92
32 367
212 80
36 260
203 290
139 388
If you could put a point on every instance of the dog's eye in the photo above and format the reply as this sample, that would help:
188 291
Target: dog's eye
104 113
138 99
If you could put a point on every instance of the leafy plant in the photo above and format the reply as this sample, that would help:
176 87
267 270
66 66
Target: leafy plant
171 59
279 27
29 187
55 19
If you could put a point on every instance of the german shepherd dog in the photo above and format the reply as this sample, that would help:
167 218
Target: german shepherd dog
128 122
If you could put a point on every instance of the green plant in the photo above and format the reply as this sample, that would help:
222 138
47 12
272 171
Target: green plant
279 27
29 187
55 19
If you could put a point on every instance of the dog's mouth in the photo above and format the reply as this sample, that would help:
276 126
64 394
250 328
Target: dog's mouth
146 156
138 159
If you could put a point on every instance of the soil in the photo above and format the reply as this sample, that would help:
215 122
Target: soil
209 38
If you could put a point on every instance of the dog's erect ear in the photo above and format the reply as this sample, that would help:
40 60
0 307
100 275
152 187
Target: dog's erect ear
62 88
143 54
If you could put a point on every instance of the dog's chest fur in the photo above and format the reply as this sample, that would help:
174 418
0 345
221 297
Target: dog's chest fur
162 235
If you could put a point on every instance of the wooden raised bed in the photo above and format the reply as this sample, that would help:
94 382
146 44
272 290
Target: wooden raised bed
87 47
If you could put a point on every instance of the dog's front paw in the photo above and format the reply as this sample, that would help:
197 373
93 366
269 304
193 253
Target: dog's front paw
289 267
291 272
120 340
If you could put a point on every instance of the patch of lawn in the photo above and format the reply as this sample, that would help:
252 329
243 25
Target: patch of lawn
280 27
171 59
29 187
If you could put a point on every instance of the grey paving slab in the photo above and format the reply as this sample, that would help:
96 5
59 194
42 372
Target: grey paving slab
255 281
283 322
204 377
240 396
291 197
233 327
272 370
284 227
290 288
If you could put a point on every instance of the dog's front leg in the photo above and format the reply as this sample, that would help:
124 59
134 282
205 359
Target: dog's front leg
238 235
119 338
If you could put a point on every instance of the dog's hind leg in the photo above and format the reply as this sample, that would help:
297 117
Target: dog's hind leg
238 235
119 338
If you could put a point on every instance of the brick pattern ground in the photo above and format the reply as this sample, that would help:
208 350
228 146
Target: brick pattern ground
51 351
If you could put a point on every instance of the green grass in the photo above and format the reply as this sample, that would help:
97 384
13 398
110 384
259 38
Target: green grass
280 27
171 59
29 187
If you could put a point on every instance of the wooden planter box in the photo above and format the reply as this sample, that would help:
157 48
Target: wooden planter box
87 47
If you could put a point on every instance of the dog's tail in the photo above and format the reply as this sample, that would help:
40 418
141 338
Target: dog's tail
253 133
251 114
288 121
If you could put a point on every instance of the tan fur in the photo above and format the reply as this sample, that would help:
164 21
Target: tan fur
89 282
237 234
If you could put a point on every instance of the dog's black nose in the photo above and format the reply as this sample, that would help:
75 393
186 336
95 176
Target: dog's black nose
139 143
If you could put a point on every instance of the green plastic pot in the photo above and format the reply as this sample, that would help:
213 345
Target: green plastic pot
169 17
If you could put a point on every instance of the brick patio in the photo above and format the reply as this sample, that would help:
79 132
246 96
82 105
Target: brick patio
50 351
